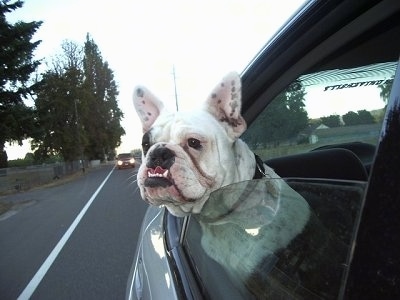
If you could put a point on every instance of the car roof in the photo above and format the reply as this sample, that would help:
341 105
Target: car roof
124 154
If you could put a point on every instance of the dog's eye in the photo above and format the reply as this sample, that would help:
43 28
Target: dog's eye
194 143
145 147
146 143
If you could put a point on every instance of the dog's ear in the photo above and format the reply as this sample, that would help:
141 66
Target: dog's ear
147 106
225 104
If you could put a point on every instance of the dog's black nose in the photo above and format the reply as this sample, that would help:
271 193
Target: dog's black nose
162 157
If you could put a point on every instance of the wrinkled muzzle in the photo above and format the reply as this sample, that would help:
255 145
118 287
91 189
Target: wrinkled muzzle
158 164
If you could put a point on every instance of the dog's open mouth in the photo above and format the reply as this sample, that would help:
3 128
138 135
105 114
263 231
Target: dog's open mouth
157 177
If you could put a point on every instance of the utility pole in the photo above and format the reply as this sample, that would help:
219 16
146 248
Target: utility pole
176 94
79 138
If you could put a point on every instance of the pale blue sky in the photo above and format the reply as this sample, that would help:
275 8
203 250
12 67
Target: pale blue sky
142 40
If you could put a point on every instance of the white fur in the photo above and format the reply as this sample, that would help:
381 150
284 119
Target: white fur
264 223
223 159
276 212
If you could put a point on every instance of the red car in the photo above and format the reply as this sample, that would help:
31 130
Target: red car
125 160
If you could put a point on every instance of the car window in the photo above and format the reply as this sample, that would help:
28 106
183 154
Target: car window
319 134
323 109
261 244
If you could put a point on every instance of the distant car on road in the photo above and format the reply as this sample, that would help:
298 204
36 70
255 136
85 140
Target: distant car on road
125 160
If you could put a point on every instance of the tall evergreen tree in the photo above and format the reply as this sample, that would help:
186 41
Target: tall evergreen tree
16 67
76 106
102 116
59 100
58 128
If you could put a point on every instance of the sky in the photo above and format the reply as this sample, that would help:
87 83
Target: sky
144 41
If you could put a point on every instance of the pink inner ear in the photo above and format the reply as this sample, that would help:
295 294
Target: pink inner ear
225 104
147 106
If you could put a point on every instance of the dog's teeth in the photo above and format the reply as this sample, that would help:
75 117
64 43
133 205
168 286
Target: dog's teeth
151 175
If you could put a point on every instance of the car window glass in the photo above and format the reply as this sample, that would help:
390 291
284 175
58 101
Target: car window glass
337 113
321 109
258 241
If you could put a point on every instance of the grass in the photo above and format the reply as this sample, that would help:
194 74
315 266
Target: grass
360 133
4 207
7 205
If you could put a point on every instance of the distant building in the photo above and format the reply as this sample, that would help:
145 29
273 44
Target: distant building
309 135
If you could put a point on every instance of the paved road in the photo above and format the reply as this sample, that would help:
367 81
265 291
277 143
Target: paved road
95 260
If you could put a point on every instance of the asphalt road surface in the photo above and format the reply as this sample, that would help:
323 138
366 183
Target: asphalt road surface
72 241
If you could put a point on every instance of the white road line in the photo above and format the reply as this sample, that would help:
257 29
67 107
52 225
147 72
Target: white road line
33 284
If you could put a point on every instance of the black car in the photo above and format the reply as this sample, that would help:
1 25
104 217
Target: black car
125 160
322 103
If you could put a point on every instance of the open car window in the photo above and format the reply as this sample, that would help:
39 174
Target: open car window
254 241
324 109
290 237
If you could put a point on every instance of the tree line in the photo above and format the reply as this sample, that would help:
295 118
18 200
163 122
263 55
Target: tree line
351 118
75 113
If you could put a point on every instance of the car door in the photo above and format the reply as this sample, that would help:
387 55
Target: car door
350 51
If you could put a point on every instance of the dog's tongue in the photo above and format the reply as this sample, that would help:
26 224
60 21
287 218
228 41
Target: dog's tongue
157 177
157 170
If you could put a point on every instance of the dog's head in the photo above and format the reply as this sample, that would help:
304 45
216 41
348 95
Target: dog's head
188 155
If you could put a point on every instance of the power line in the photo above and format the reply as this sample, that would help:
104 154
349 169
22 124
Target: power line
176 93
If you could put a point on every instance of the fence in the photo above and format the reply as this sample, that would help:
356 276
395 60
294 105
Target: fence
23 178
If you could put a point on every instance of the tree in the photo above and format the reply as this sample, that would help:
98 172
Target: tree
365 117
283 119
385 89
102 115
350 118
57 128
331 121
357 118
137 152
16 67
76 107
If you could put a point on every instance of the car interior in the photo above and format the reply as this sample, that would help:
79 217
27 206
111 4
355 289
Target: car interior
332 163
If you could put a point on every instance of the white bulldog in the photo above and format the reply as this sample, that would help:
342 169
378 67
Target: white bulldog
254 229
186 156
